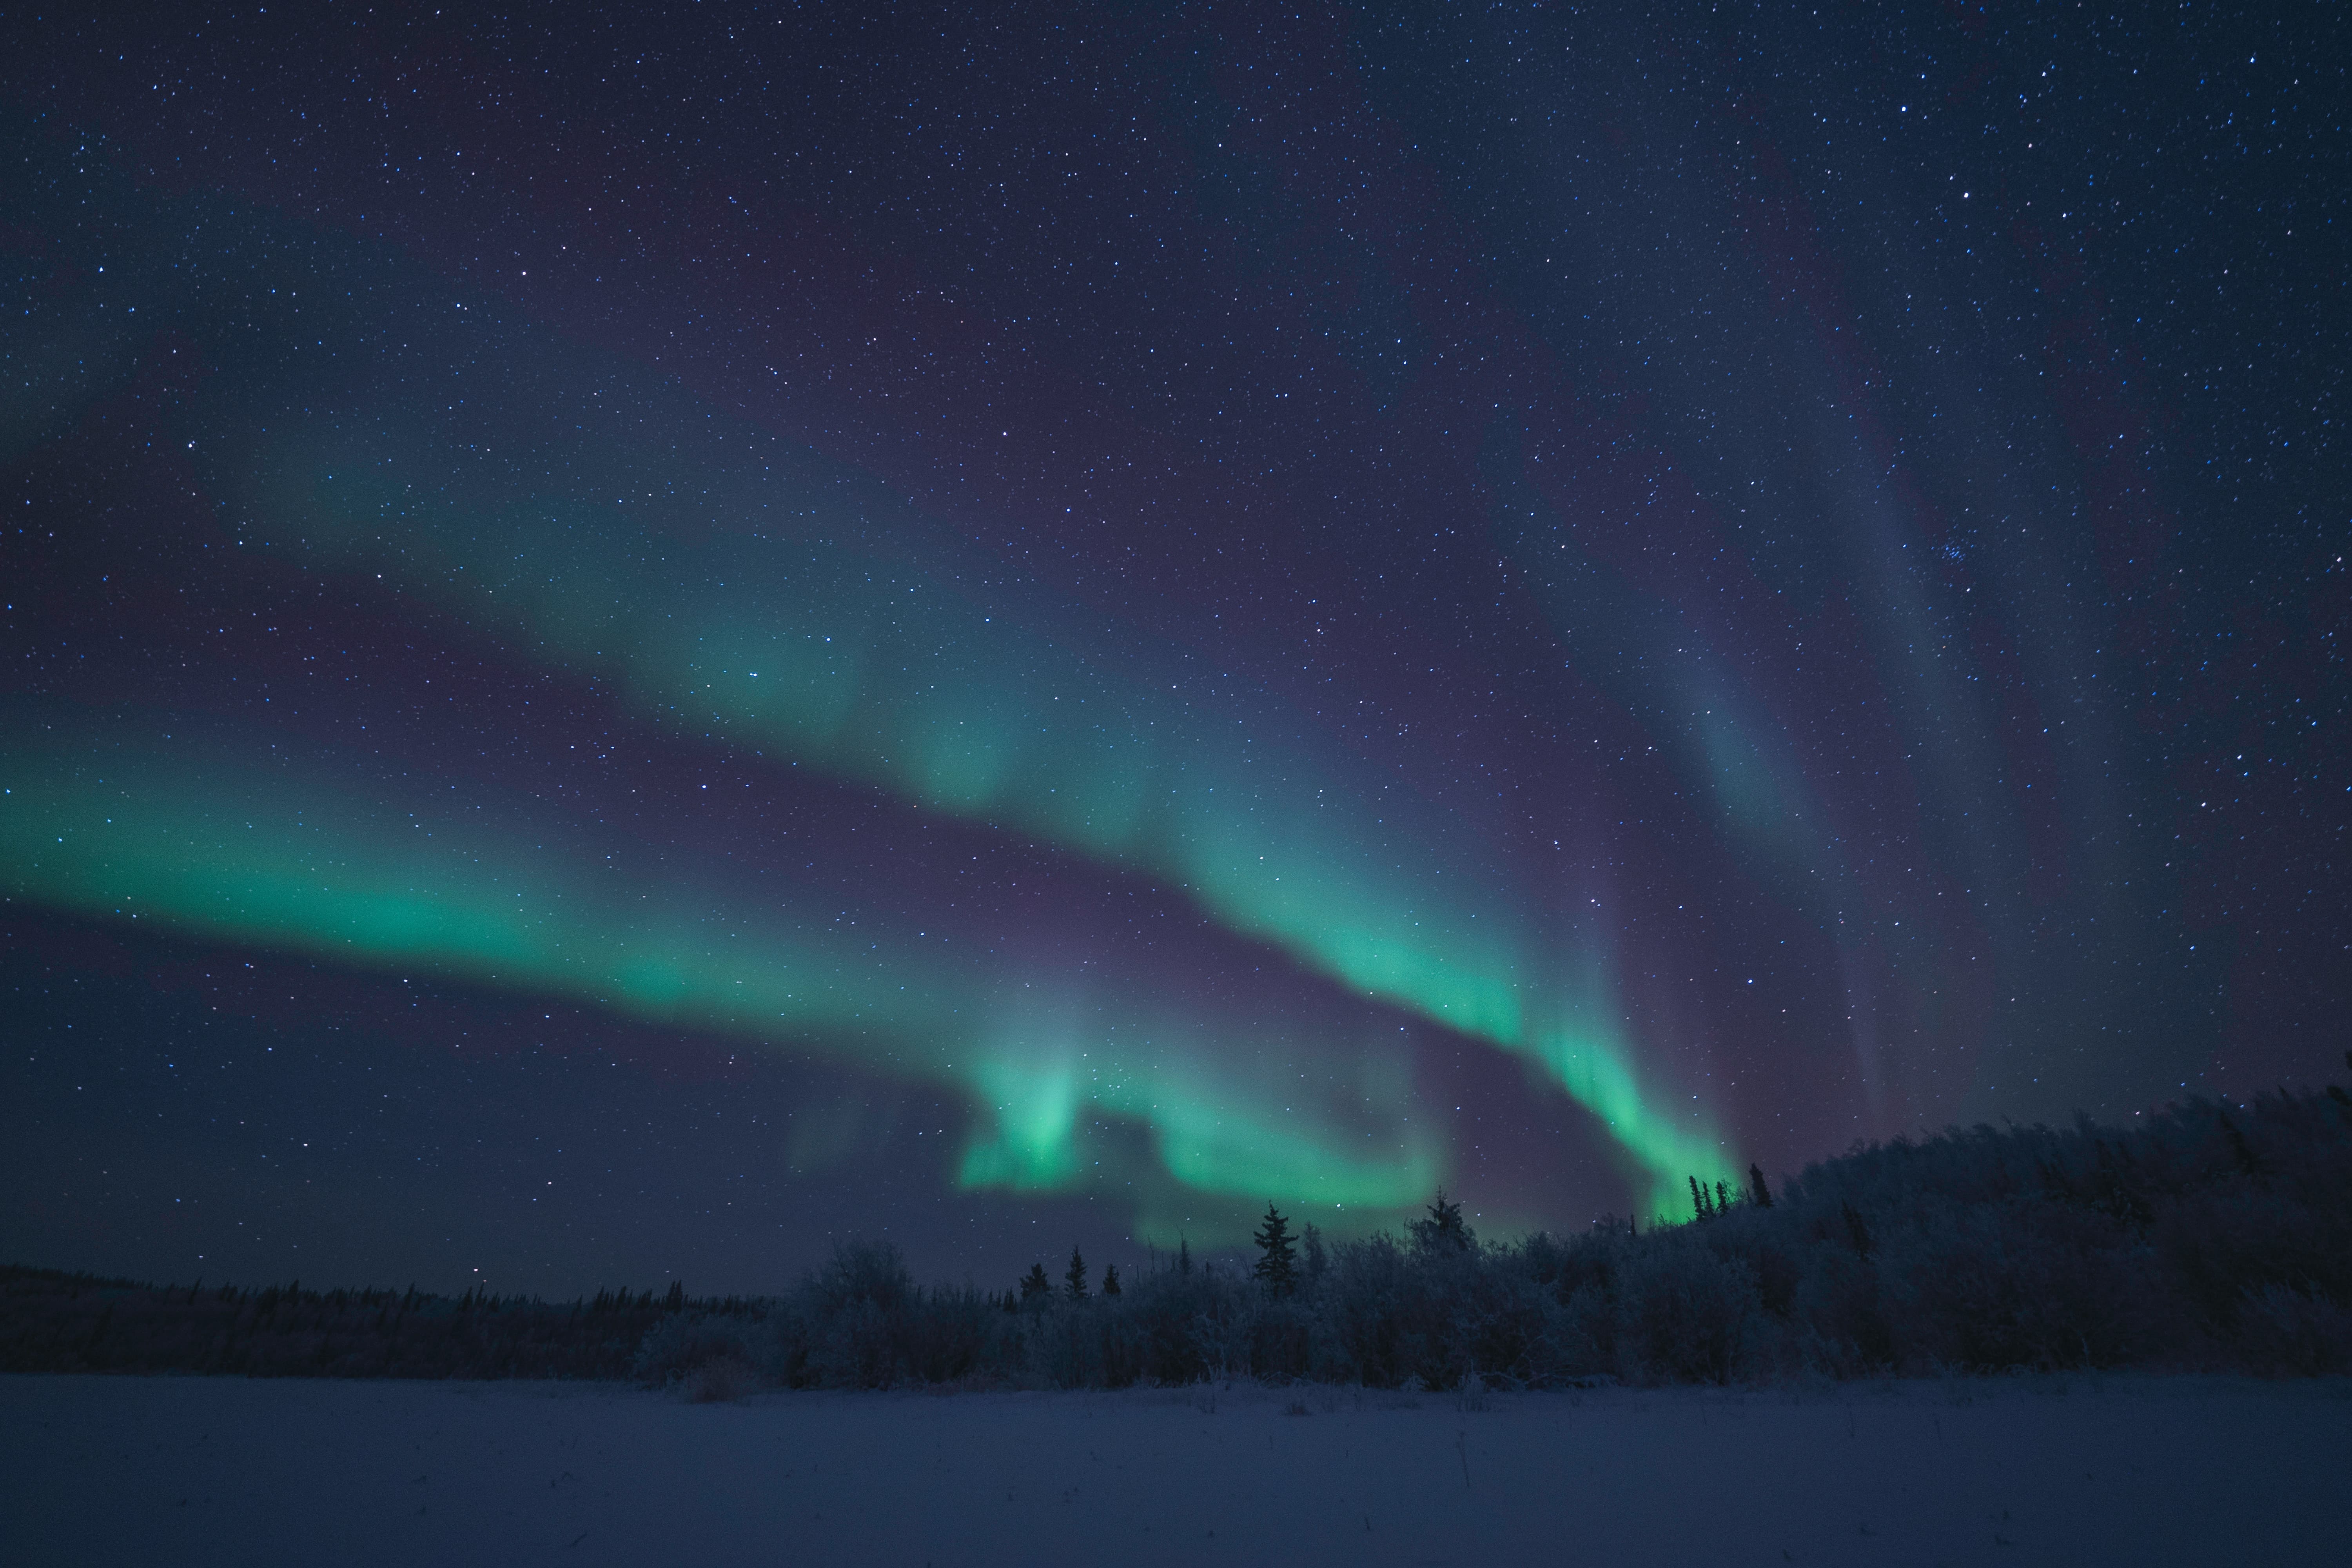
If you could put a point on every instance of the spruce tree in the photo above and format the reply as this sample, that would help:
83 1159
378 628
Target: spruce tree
1034 1286
1183 1255
1763 1195
1110 1278
1698 1198
1275 1265
1443 1229
1074 1280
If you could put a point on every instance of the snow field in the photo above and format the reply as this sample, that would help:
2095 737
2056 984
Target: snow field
2076 1470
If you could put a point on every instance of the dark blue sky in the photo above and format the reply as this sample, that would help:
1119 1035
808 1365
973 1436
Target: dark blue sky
636 640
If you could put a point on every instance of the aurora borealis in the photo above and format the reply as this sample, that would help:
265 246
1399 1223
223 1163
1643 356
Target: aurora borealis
634 642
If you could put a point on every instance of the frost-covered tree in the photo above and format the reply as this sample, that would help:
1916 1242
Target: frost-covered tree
1858 1232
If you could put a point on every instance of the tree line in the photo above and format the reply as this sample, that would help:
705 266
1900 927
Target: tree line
2202 1237
51 1321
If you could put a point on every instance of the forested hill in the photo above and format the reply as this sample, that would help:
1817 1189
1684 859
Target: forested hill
2201 1236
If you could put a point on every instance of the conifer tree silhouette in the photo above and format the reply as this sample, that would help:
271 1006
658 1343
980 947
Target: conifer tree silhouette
1762 1194
1110 1278
1074 1280
1183 1255
1444 1227
1275 1265
1034 1286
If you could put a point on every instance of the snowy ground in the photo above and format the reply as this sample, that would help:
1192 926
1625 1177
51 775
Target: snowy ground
2076 1470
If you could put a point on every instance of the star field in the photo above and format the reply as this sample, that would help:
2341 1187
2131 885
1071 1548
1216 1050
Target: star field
637 640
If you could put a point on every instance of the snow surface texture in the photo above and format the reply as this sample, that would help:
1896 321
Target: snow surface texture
2076 1470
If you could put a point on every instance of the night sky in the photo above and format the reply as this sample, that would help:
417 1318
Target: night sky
636 642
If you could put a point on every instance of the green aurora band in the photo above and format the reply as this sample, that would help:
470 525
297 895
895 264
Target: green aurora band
288 856
603 520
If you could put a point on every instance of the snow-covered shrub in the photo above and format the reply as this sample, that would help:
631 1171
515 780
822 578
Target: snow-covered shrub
861 1321
2298 1333
1281 1338
2022 1284
723 1381
683 1344
1383 1305
1584 1333
1221 1334
1690 1314
1843 1328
